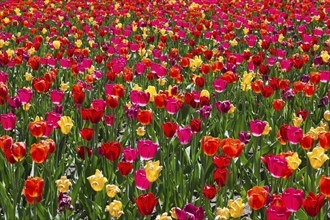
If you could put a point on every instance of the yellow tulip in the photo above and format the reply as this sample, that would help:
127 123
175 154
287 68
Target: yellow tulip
152 91
26 106
57 44
28 76
64 86
317 157
327 115
137 87
293 161
65 124
222 214
63 184
140 131
78 43
173 213
205 93
246 81
164 216
236 207
115 209
152 170
325 56
112 190
267 129
97 180
280 38
297 121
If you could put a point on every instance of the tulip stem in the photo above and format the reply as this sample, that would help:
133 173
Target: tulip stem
35 216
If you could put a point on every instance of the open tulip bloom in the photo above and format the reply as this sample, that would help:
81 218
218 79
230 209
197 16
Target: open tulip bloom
195 109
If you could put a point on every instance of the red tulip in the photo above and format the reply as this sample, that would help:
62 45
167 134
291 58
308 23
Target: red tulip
144 117
210 145
307 142
325 185
33 189
37 128
324 140
87 133
84 150
313 204
257 197
209 191
39 152
146 203
170 129
125 168
111 150
196 124
220 176
40 85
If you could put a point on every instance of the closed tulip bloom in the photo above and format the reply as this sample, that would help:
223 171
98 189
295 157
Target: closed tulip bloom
110 150
163 216
257 127
317 157
125 168
169 129
63 184
152 170
313 204
18 151
147 149
307 142
33 188
293 161
130 154
112 190
210 145
87 133
277 166
141 181
222 214
57 44
144 117
325 185
324 140
56 96
236 208
172 106
184 134
220 176
295 134
8 121
231 147
275 212
39 152
115 209
146 203
293 199
65 124
97 180
209 191
257 197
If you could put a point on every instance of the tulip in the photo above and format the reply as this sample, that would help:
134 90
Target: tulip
293 161
221 161
324 140
124 168
210 145
231 147
65 124
56 96
209 191
152 170
97 180
184 135
172 106
64 202
57 44
81 152
147 149
236 207
8 121
222 214
313 204
220 176
325 185
190 211
87 133
223 106
170 129
295 134
307 142
196 124
144 117
257 197
146 203
112 190
293 199
163 216
130 154
25 95
110 150
317 157
39 152
141 181
18 151
115 209
277 166
257 127
219 85
275 212
33 189
63 184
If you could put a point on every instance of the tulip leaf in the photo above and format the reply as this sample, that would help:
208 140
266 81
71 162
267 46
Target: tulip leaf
301 214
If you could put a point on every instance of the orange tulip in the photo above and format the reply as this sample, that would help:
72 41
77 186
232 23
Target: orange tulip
324 140
210 145
37 128
144 117
231 147
33 189
257 197
325 185
39 152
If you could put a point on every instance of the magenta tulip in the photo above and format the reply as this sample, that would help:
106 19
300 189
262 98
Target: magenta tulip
147 149
8 121
257 127
293 199
141 181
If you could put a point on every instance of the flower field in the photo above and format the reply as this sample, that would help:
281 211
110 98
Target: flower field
165 109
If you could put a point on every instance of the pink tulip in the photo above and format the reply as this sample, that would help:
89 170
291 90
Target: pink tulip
3 77
52 118
25 95
8 121
147 149
172 106
139 68
293 199
109 119
99 104
158 69
65 63
184 134
275 212
56 96
140 98
257 127
118 64
141 181
295 134
219 85
277 166
130 154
